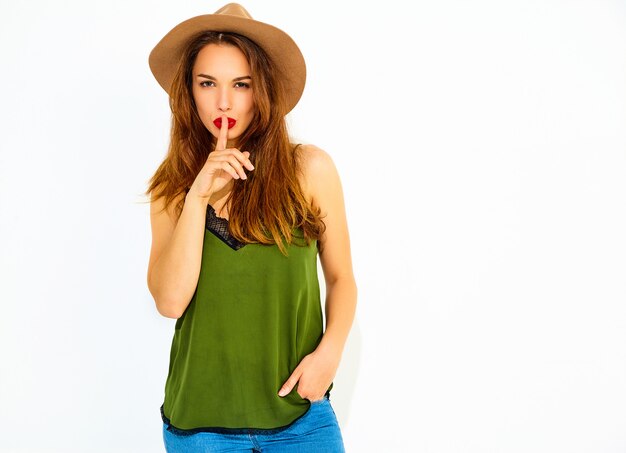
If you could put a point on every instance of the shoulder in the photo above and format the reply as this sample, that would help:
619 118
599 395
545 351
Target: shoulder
316 165
314 158
159 206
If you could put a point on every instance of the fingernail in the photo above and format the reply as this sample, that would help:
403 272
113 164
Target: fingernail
282 393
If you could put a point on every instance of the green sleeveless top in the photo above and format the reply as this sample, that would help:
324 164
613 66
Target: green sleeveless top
254 316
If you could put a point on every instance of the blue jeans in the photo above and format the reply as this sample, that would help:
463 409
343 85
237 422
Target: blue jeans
316 431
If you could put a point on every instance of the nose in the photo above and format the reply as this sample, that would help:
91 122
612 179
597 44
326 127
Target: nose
224 103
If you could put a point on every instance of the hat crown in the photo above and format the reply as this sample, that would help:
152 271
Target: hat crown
234 9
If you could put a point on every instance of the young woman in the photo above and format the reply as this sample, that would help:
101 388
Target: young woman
239 215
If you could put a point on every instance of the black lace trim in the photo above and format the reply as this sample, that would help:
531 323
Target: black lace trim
219 227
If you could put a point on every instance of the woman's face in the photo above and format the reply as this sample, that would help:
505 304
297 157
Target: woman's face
222 85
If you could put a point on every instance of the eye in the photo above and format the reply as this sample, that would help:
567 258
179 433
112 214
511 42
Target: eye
242 84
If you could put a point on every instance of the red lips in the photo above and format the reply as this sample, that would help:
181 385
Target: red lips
218 122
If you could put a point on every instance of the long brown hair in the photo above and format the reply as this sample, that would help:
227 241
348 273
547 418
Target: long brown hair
270 203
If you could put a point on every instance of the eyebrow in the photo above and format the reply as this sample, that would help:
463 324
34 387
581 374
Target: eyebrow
236 79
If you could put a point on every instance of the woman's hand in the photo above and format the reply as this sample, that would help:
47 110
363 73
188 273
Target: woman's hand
313 375
221 166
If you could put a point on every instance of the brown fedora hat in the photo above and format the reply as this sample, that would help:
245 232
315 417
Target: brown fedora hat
233 17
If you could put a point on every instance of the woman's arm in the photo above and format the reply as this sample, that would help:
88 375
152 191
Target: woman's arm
176 254
324 185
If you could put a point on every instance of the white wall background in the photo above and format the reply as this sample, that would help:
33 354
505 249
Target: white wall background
482 149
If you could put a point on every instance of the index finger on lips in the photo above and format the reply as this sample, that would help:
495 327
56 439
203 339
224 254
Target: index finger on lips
223 137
